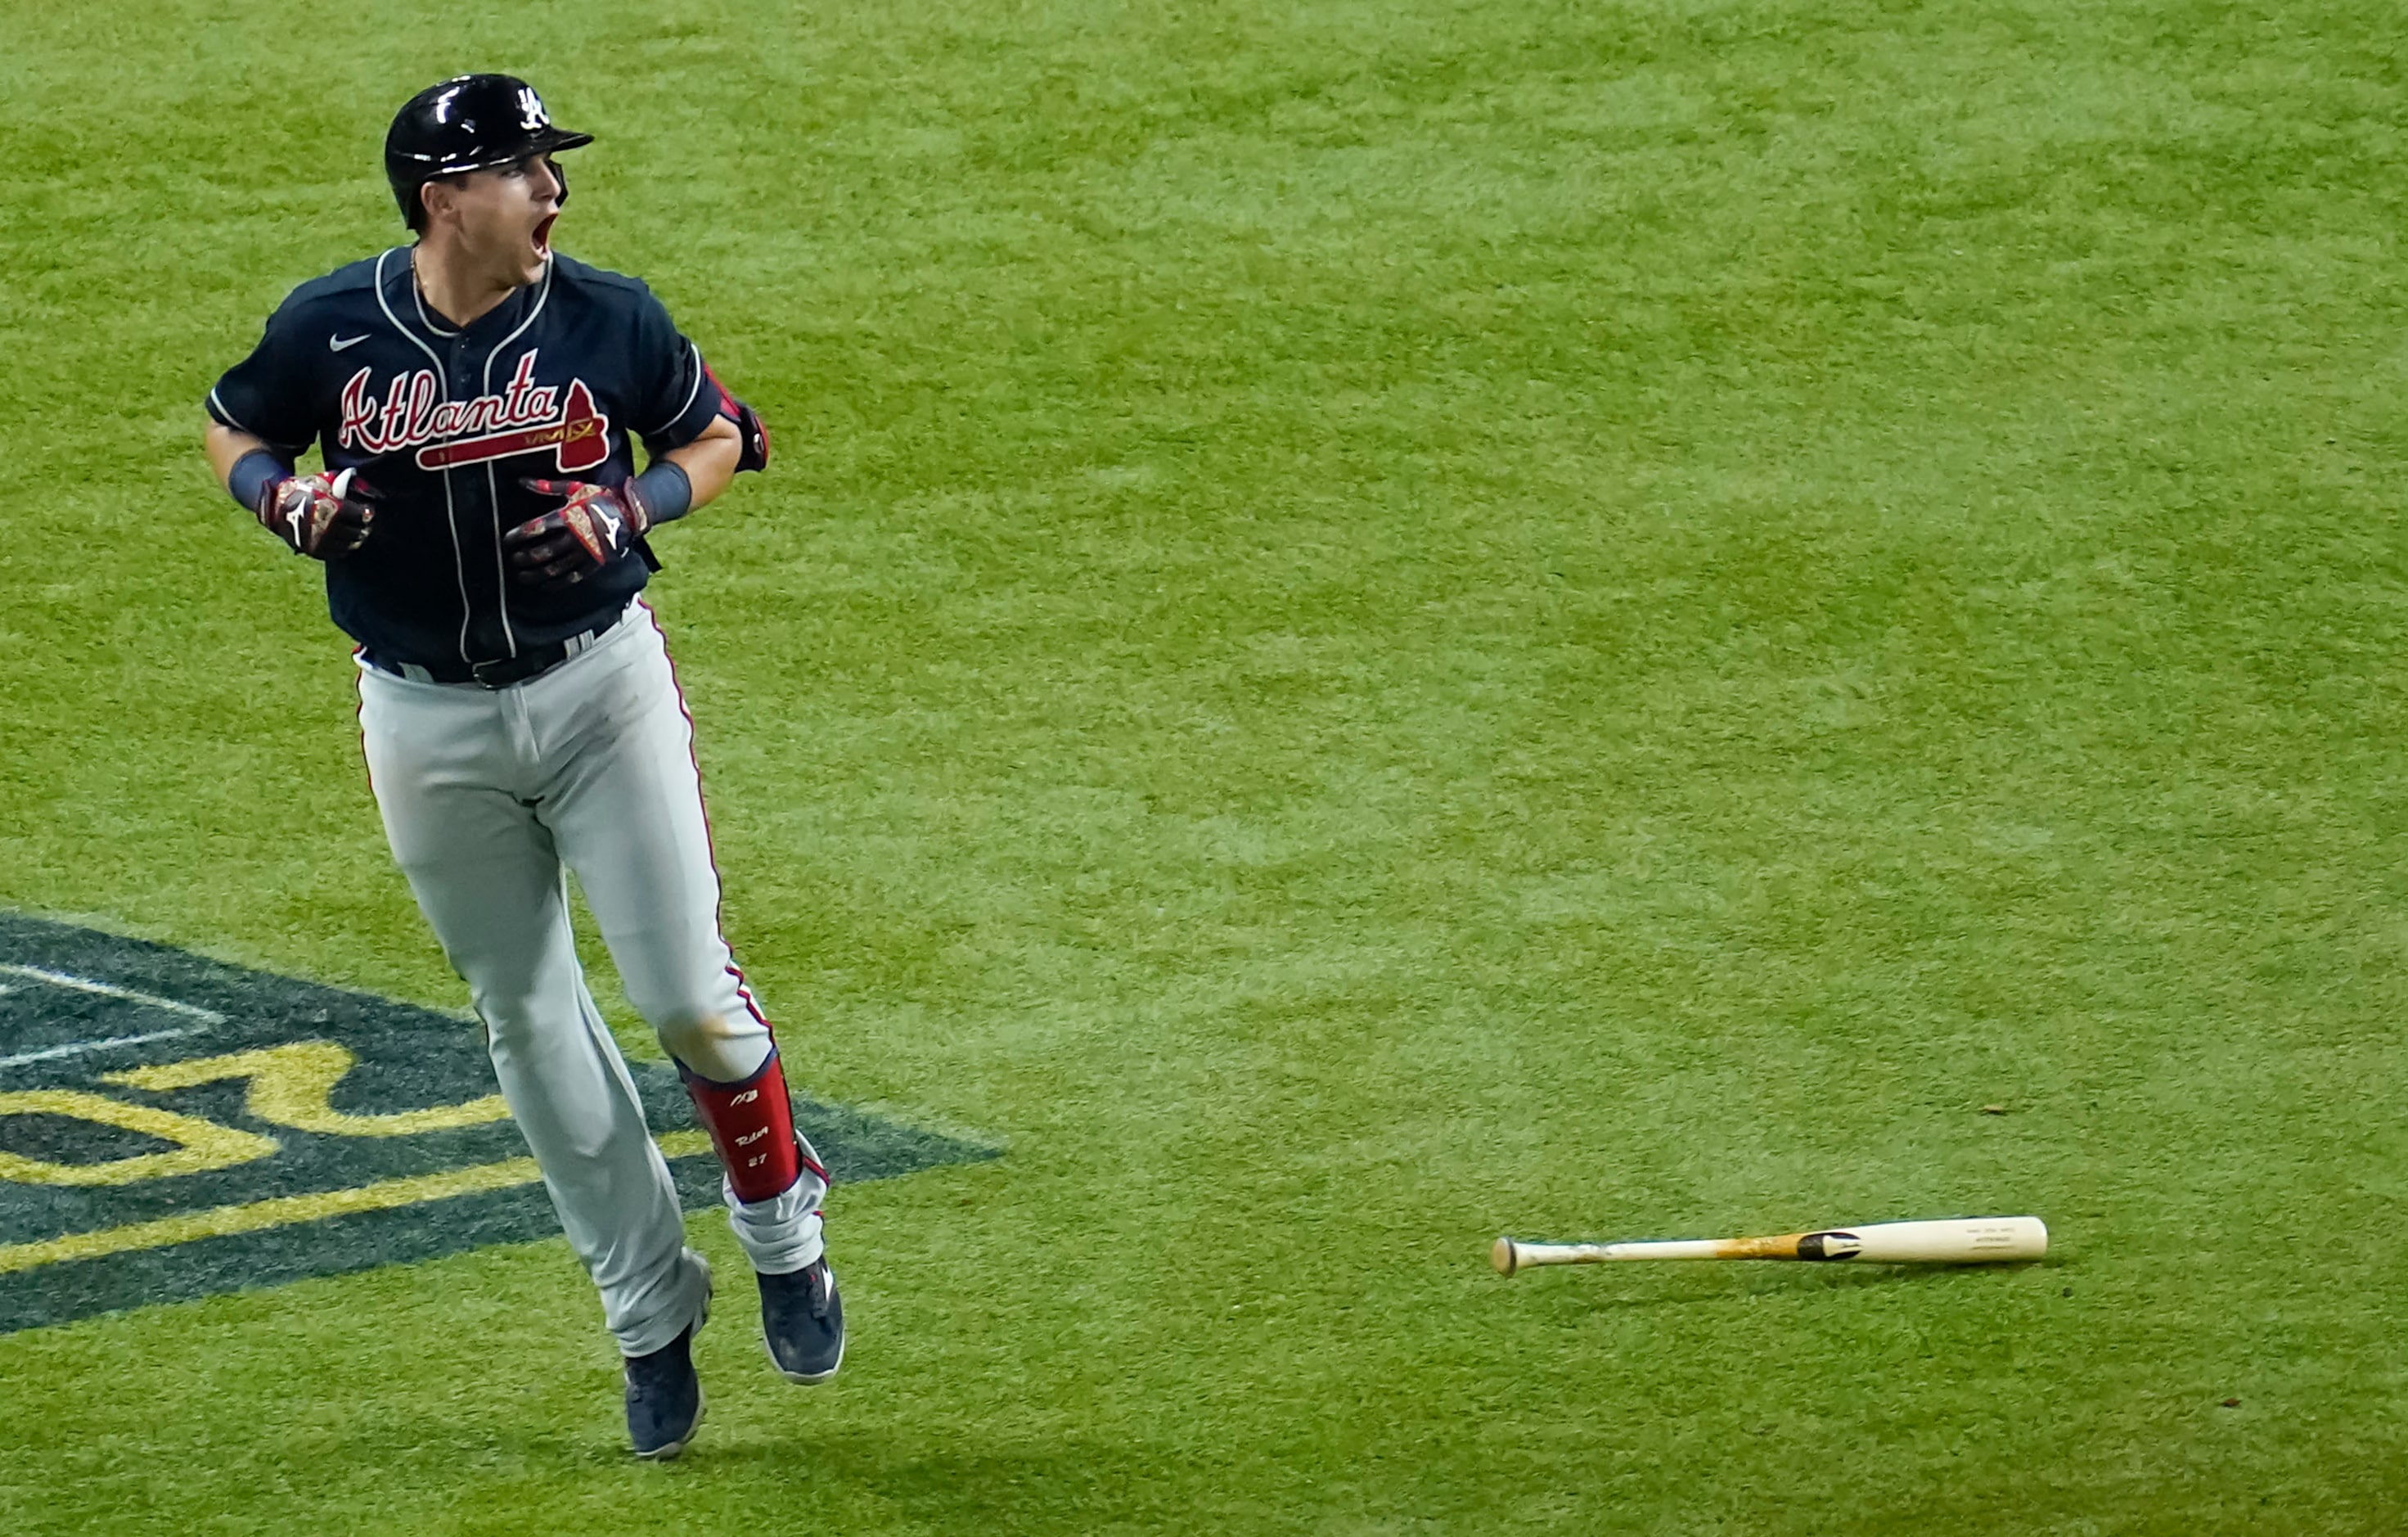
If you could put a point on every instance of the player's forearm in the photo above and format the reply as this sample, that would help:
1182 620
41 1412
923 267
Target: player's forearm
250 470
226 447
709 460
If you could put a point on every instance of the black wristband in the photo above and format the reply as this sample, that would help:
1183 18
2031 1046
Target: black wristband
252 474
665 491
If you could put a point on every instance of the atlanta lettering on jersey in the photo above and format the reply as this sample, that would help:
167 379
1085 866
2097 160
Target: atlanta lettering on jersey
525 418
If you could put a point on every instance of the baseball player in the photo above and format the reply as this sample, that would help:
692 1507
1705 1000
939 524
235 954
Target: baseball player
476 400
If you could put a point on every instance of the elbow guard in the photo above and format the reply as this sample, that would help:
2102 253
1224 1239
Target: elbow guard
753 453
756 433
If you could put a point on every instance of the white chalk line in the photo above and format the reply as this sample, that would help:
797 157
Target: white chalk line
77 1048
85 985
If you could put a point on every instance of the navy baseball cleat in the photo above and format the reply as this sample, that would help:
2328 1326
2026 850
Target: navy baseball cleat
663 1400
802 1322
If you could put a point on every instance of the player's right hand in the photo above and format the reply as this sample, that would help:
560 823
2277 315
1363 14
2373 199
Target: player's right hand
322 516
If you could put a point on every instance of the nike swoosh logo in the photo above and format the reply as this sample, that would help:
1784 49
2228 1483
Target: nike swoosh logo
336 344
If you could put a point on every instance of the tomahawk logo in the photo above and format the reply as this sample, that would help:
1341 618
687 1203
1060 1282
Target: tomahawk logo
525 417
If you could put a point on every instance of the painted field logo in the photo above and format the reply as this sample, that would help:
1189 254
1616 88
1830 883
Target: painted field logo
172 1126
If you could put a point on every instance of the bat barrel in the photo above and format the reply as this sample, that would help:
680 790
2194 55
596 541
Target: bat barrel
1958 1241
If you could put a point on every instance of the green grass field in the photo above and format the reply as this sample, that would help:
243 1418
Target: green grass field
1377 624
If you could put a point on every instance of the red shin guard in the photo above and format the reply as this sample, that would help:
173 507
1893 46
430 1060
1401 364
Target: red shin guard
752 1127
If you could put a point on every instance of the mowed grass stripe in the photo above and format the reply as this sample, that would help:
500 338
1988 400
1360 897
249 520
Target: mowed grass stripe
285 1210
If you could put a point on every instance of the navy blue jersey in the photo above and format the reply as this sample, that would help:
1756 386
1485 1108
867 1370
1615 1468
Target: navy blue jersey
556 383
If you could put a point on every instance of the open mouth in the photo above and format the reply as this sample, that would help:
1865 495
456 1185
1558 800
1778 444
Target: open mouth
543 235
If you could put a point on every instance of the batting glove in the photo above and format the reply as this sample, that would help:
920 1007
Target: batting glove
322 516
592 527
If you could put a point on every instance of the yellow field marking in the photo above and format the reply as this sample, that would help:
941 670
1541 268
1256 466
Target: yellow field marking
284 1211
290 1086
200 1146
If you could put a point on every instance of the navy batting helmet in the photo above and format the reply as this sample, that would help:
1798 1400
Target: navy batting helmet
471 123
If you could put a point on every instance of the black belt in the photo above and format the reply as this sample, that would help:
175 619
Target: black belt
530 662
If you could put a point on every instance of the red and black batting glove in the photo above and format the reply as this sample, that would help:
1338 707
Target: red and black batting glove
322 516
593 526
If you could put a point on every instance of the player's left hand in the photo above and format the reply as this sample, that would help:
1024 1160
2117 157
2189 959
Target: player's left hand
591 527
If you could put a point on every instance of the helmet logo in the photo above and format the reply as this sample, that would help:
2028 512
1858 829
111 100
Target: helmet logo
531 115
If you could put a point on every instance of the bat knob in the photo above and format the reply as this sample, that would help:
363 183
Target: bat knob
1502 1255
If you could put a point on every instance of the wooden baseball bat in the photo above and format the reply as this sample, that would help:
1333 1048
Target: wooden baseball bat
1956 1240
